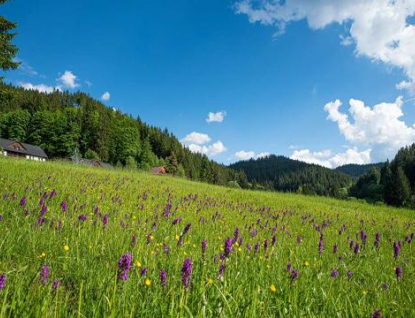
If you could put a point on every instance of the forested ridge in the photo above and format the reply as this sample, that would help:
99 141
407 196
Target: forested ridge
284 174
356 170
61 122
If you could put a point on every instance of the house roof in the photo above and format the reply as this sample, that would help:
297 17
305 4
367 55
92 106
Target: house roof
30 150
156 170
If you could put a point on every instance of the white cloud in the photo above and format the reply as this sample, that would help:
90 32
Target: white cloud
196 138
327 159
25 67
379 127
68 80
106 96
216 117
408 86
40 87
244 155
379 29
210 150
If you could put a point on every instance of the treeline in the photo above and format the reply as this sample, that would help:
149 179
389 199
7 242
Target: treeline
284 174
392 183
356 170
61 122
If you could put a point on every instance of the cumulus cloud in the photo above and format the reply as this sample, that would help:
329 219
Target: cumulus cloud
216 117
327 159
199 143
246 155
196 138
379 127
40 87
68 80
106 96
380 30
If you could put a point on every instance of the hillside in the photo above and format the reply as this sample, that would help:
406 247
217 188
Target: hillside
61 122
284 174
90 242
355 170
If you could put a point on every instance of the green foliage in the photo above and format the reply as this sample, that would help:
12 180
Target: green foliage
283 174
356 171
7 49
91 154
130 163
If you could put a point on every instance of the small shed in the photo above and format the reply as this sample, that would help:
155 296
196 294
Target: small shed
158 170
14 148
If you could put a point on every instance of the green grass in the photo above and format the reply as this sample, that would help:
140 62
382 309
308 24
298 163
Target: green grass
88 271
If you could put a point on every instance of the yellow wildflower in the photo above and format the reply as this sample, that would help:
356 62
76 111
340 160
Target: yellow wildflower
210 281
273 288
137 264
66 247
148 282
307 263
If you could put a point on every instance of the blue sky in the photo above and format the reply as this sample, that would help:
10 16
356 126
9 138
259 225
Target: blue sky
274 70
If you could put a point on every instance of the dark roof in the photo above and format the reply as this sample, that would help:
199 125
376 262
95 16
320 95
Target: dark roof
28 149
158 170
92 162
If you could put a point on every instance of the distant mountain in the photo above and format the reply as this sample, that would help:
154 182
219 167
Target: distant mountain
284 174
356 170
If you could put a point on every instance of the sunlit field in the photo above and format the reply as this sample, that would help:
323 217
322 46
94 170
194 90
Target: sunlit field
78 241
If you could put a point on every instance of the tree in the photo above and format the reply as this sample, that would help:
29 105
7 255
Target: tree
7 49
172 164
90 154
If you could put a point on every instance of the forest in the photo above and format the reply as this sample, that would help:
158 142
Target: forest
61 122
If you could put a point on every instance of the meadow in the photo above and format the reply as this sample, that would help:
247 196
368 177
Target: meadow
86 242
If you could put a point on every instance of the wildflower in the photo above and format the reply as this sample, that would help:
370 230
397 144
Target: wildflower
398 272
124 265
289 267
377 314
2 281
273 288
357 248
82 217
307 263
163 278
335 248
363 236
55 284
148 282
44 274
377 240
221 271
187 228
133 241
187 272
143 271
385 286
256 247
204 247
320 246
23 201
43 210
228 246
396 249
137 264
248 246
334 273
294 274
236 235
105 220
265 244
43 255
180 241
349 274
66 247
64 206
166 248
274 240
210 281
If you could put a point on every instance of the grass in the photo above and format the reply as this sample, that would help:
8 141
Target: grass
137 204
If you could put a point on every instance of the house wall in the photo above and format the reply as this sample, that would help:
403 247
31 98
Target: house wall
14 154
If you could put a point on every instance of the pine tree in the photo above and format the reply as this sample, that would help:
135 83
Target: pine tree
7 49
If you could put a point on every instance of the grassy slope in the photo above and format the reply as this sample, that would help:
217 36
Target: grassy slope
88 271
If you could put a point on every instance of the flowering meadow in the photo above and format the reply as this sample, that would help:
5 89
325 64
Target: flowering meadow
86 242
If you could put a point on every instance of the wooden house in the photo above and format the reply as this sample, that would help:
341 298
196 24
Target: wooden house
158 170
19 149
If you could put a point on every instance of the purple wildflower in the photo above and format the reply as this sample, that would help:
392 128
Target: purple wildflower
23 201
55 284
176 221
163 278
44 274
274 240
321 246
105 220
180 241
143 271
187 228
221 270
236 234
335 248
166 248
256 247
377 314
334 273
377 240
396 249
357 248
124 265
187 272
43 210
398 272
133 241
82 217
294 274
363 236
64 206
228 246
385 286
249 247
204 247
349 274
298 239
265 244
289 267
2 281
351 244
